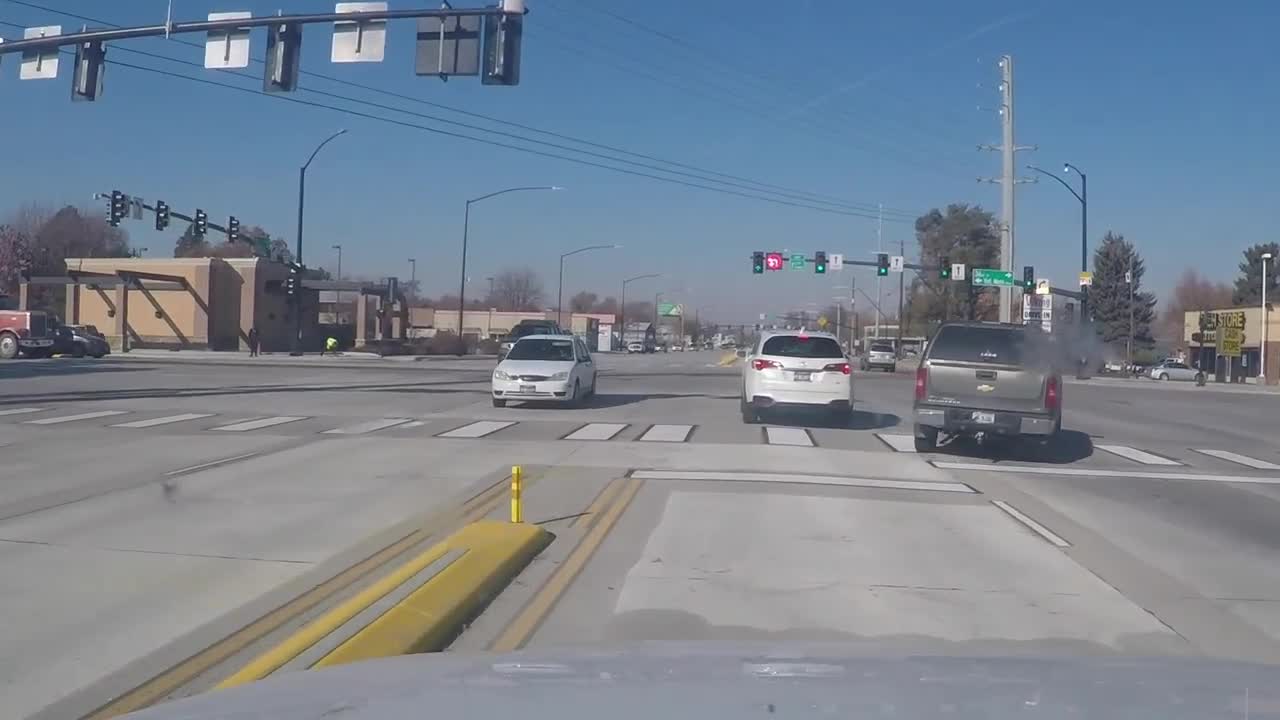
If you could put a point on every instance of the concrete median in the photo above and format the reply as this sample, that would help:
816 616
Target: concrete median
419 607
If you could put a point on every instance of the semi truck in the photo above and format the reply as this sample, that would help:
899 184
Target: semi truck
24 331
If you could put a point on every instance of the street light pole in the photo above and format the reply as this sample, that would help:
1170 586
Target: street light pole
339 249
302 198
1083 197
1262 352
466 223
622 309
560 287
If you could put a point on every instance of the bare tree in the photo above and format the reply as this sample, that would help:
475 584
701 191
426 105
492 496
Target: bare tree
582 302
1192 292
608 305
15 253
519 289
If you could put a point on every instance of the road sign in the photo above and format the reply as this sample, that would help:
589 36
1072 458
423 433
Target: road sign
835 261
957 271
1229 342
992 278
895 263
798 261
670 309
822 321
1086 278
1042 286
1128 276
773 261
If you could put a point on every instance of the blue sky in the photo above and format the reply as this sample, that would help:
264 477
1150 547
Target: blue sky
1171 109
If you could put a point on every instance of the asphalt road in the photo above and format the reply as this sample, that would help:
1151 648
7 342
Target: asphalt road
144 501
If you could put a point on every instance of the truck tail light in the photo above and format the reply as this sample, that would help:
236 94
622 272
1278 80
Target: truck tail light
842 367
922 382
765 364
1051 397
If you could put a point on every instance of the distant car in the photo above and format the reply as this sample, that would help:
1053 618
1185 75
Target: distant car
86 340
994 378
677 348
1173 370
880 355
635 347
556 368
524 328
796 369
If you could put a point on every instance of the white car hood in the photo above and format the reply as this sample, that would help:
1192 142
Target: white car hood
535 367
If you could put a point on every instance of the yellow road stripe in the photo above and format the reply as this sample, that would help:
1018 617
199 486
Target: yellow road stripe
515 635
601 501
160 686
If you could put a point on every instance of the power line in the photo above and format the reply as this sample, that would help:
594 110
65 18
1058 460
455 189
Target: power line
700 174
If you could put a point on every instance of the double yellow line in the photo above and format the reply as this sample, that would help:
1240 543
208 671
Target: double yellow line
173 679
599 519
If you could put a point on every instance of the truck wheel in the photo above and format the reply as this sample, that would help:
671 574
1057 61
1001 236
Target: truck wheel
8 346
926 438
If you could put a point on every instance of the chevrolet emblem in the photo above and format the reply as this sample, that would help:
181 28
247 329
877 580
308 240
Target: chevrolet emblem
986 388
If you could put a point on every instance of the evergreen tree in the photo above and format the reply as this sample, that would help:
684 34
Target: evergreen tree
1109 298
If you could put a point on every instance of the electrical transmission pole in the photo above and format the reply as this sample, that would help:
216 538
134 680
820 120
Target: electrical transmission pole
1007 180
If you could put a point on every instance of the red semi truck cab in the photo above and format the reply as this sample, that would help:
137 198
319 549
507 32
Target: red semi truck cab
23 330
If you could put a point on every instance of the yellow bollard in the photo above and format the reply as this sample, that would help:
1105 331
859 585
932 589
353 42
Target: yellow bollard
516 509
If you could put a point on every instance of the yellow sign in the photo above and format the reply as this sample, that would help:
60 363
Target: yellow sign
1230 340
822 321
1086 278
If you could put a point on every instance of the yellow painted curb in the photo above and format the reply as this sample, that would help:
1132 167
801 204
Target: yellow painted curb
728 360
430 616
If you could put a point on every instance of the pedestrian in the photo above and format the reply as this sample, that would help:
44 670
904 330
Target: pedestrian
330 346
253 342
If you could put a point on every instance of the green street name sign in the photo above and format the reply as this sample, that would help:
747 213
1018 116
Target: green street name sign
992 278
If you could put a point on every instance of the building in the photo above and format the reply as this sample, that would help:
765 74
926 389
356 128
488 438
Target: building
1227 343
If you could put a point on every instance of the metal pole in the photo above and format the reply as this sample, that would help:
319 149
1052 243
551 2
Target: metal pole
879 249
413 271
462 283
339 249
1006 185
1129 344
1084 242
296 344
1262 352
902 248
560 295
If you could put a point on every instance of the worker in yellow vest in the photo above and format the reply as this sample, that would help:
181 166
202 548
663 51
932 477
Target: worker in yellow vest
331 346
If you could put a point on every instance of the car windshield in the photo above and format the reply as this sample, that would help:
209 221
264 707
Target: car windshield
801 346
542 349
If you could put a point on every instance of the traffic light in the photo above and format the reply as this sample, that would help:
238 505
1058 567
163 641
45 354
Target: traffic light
819 262
162 215
882 264
757 263
201 223
233 229
944 268
119 208
1028 278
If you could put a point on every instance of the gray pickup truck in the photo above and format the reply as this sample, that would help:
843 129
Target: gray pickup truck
991 378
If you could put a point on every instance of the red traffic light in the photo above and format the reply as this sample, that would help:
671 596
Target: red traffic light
773 261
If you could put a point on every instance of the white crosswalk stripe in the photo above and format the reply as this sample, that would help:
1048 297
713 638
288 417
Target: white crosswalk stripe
72 418
798 437
1240 459
667 433
167 420
20 411
1137 455
899 443
260 423
367 427
478 429
596 431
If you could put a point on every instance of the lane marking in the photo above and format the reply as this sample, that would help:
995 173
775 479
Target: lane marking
478 429
20 411
1137 455
165 683
899 443
260 423
596 431
522 628
802 480
1031 524
153 422
601 501
667 433
73 418
1239 459
367 427
205 466
1077 472
797 437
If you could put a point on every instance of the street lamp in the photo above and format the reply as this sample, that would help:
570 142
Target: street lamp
413 273
560 287
466 222
339 249
1083 197
302 195
1262 353
622 313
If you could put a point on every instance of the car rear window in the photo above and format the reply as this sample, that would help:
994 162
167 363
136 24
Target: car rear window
542 349
525 330
1006 346
801 346
881 347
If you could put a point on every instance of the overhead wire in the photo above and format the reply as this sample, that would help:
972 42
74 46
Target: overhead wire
700 174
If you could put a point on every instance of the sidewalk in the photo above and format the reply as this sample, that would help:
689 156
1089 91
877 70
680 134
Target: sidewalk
1251 388
342 359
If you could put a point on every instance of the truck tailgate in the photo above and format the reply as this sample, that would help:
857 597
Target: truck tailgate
986 386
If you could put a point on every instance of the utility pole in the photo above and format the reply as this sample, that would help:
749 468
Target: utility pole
1007 180
902 250
879 249
1128 346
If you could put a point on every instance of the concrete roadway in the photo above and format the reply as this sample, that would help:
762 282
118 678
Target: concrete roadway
143 501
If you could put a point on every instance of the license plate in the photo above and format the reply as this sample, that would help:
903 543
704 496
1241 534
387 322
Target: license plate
802 377
528 388
984 418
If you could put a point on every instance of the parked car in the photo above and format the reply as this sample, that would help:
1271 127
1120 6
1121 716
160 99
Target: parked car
557 368
796 369
81 340
880 355
1173 370
525 328
991 378
635 347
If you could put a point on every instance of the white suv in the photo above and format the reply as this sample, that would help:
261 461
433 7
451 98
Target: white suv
796 369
